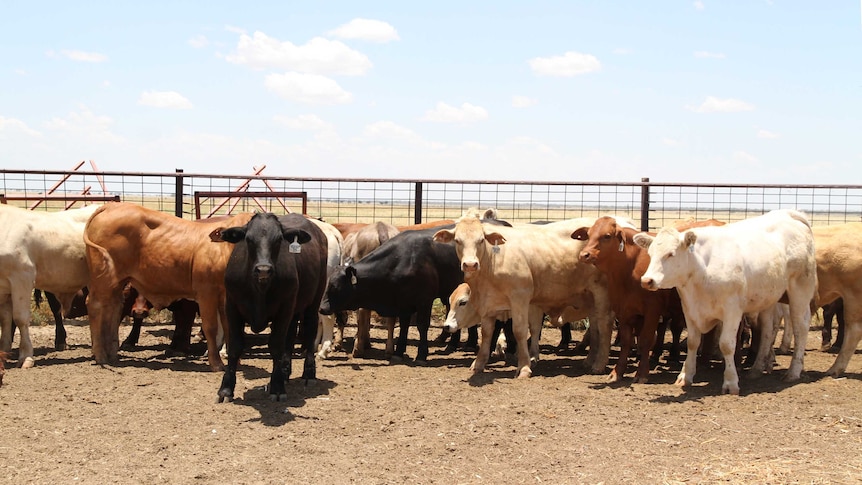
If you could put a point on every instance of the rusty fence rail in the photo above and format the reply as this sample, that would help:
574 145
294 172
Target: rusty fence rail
650 204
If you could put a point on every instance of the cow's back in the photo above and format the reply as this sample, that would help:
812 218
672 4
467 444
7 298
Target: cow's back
166 258
46 245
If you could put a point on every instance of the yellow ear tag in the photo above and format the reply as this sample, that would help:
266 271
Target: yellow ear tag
295 247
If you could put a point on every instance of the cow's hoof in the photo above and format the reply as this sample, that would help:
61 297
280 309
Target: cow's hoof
525 373
728 389
613 376
277 397
782 351
420 362
641 380
680 382
225 395
788 377
28 362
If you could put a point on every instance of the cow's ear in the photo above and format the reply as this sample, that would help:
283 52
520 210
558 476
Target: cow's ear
643 240
581 234
688 239
350 271
230 234
495 238
444 236
298 235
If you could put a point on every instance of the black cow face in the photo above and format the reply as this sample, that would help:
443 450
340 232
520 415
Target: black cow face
263 236
339 291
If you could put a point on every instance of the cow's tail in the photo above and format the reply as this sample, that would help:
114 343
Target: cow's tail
800 216
102 264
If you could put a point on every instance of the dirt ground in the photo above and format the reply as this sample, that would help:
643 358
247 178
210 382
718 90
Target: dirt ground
154 419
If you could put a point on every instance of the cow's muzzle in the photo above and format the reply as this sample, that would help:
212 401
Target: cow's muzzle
263 273
469 266
649 284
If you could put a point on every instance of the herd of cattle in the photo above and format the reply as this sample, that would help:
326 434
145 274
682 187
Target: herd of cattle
299 275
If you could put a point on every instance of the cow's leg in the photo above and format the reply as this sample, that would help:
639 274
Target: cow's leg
324 335
235 345
362 341
131 340
104 306
565 336
646 342
21 317
800 319
727 344
600 317
59 328
625 333
184 318
686 376
826 331
521 328
310 321
472 343
340 322
478 365
658 346
839 339
423 323
5 323
536 319
454 340
786 337
283 331
390 336
211 325
401 342
765 357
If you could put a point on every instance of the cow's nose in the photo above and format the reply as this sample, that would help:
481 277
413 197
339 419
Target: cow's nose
470 266
263 271
585 256
648 283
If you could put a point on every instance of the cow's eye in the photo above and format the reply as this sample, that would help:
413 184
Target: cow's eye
462 302
606 237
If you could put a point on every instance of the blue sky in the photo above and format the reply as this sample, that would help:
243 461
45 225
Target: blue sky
753 91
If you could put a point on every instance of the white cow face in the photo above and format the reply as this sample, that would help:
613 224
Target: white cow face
471 242
461 313
670 258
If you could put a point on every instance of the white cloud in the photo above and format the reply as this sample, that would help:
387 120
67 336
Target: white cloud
567 65
235 30
307 88
317 56
199 41
767 134
744 157
715 105
12 125
523 101
84 127
164 99
388 129
303 122
366 29
84 56
20 72
699 5
709 55
467 113
670 142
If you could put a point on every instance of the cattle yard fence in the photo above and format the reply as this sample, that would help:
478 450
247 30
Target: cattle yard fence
650 204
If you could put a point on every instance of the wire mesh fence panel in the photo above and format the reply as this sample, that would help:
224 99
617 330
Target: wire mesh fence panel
401 202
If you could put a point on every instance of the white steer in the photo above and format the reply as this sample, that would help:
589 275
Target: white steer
724 272
42 250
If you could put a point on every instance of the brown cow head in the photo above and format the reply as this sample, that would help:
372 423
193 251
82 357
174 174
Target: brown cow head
602 238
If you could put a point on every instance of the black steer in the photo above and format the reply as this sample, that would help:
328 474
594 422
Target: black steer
276 273
400 278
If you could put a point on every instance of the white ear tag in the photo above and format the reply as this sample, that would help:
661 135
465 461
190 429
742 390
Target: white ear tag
622 246
691 248
353 280
495 249
295 247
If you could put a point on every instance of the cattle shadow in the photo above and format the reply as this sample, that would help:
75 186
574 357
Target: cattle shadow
279 413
